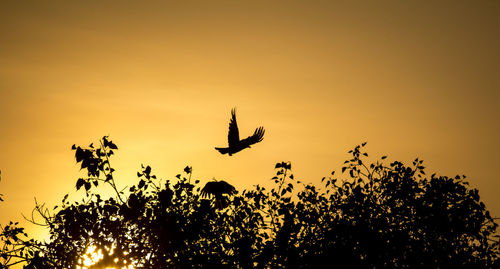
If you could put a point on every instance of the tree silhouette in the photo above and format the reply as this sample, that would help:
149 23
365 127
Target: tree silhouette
374 215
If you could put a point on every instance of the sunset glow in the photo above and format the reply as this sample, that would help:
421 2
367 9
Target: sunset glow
94 255
412 78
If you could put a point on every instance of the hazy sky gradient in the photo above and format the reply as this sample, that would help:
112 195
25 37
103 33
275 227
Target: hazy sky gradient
413 78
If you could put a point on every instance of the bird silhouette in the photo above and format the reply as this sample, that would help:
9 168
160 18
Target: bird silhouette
233 137
218 189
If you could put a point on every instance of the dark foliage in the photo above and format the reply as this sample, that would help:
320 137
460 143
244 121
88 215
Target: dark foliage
377 216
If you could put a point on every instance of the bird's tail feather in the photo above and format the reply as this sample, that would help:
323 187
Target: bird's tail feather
223 150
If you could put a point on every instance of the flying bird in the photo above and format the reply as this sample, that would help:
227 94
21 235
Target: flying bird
233 137
218 189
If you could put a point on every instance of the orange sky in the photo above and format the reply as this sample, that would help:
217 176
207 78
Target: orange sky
413 79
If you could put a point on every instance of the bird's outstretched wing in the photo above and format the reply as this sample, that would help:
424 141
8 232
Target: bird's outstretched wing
257 136
217 188
209 189
233 136
226 188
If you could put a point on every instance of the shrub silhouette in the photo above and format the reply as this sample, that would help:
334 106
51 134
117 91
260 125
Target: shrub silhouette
373 216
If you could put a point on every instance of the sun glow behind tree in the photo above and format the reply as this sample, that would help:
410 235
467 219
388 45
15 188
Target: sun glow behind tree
94 256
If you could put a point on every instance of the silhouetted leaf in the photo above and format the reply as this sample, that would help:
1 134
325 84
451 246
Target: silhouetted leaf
141 184
79 154
79 183
112 145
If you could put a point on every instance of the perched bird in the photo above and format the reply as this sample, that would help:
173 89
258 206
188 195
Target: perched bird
233 137
218 189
